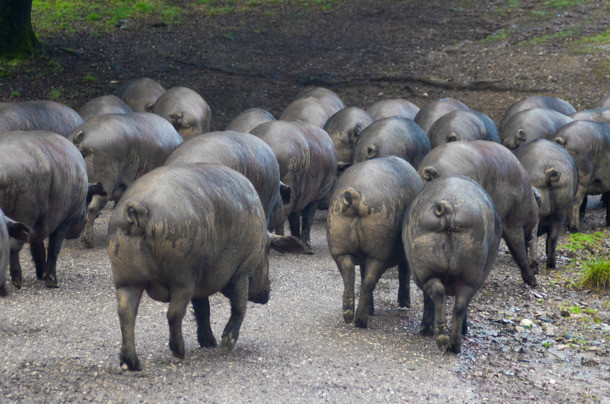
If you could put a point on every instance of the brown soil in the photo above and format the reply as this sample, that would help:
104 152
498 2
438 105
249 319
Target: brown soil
366 51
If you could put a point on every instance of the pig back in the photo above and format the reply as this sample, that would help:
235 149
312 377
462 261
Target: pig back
38 115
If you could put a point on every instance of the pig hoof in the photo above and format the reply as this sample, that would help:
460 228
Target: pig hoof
573 229
534 266
50 281
404 303
454 348
442 341
206 341
531 281
360 323
426 330
87 243
132 364
16 283
177 349
3 291
348 315
227 343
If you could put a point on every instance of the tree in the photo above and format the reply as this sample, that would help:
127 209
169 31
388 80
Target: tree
16 34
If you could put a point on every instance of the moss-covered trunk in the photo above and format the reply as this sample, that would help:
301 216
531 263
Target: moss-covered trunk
16 34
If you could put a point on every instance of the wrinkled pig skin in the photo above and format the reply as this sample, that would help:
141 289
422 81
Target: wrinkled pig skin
105 104
536 101
38 115
451 236
184 233
344 128
430 113
393 107
119 148
554 174
250 119
532 124
185 109
364 220
392 137
308 165
246 154
12 237
597 115
588 143
463 126
43 184
140 92
503 177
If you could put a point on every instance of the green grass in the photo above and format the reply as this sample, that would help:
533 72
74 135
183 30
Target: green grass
581 241
596 274
550 37
598 42
55 94
562 4
499 35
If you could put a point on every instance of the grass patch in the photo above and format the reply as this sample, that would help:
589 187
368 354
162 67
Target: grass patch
562 4
499 35
54 94
581 241
596 42
550 37
596 274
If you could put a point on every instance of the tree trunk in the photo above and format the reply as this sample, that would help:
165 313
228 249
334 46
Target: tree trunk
16 34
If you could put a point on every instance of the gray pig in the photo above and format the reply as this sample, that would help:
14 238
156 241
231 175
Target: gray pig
250 119
392 137
308 165
119 148
554 174
38 115
309 110
344 127
43 184
531 124
246 154
329 100
536 101
499 172
12 237
426 116
463 126
604 102
185 109
597 115
393 107
140 92
184 233
365 216
451 236
589 143
106 104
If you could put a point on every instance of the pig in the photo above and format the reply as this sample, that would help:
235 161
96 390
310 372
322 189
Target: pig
249 119
604 102
119 148
427 115
12 237
106 104
329 100
554 174
308 165
246 154
393 107
140 92
597 115
38 115
43 185
451 235
531 124
589 143
184 233
503 177
344 127
308 109
463 126
536 101
185 109
392 137
364 220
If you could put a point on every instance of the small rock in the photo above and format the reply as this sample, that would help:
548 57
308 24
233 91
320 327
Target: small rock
526 323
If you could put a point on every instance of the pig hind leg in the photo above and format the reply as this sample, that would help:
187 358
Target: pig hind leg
294 222
39 257
308 214
515 240
128 301
205 336
606 201
179 299
373 269
238 295
427 322
15 269
463 295
436 292
93 211
404 277
346 266
551 240
56 239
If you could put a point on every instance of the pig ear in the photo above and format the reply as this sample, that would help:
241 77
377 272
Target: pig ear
149 106
285 193
18 231
136 216
429 173
452 137
353 135
371 151
289 244
560 141
552 175
521 135
78 137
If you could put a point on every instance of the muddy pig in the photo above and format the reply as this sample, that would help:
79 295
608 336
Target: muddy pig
451 236
589 143
393 107
344 127
250 119
43 184
392 137
308 165
531 124
184 233
554 174
365 216
185 109
536 101
246 154
119 148
463 126
427 115
38 115
106 104
140 92
503 177
12 237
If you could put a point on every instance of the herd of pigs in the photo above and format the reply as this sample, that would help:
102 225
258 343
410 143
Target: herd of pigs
430 190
